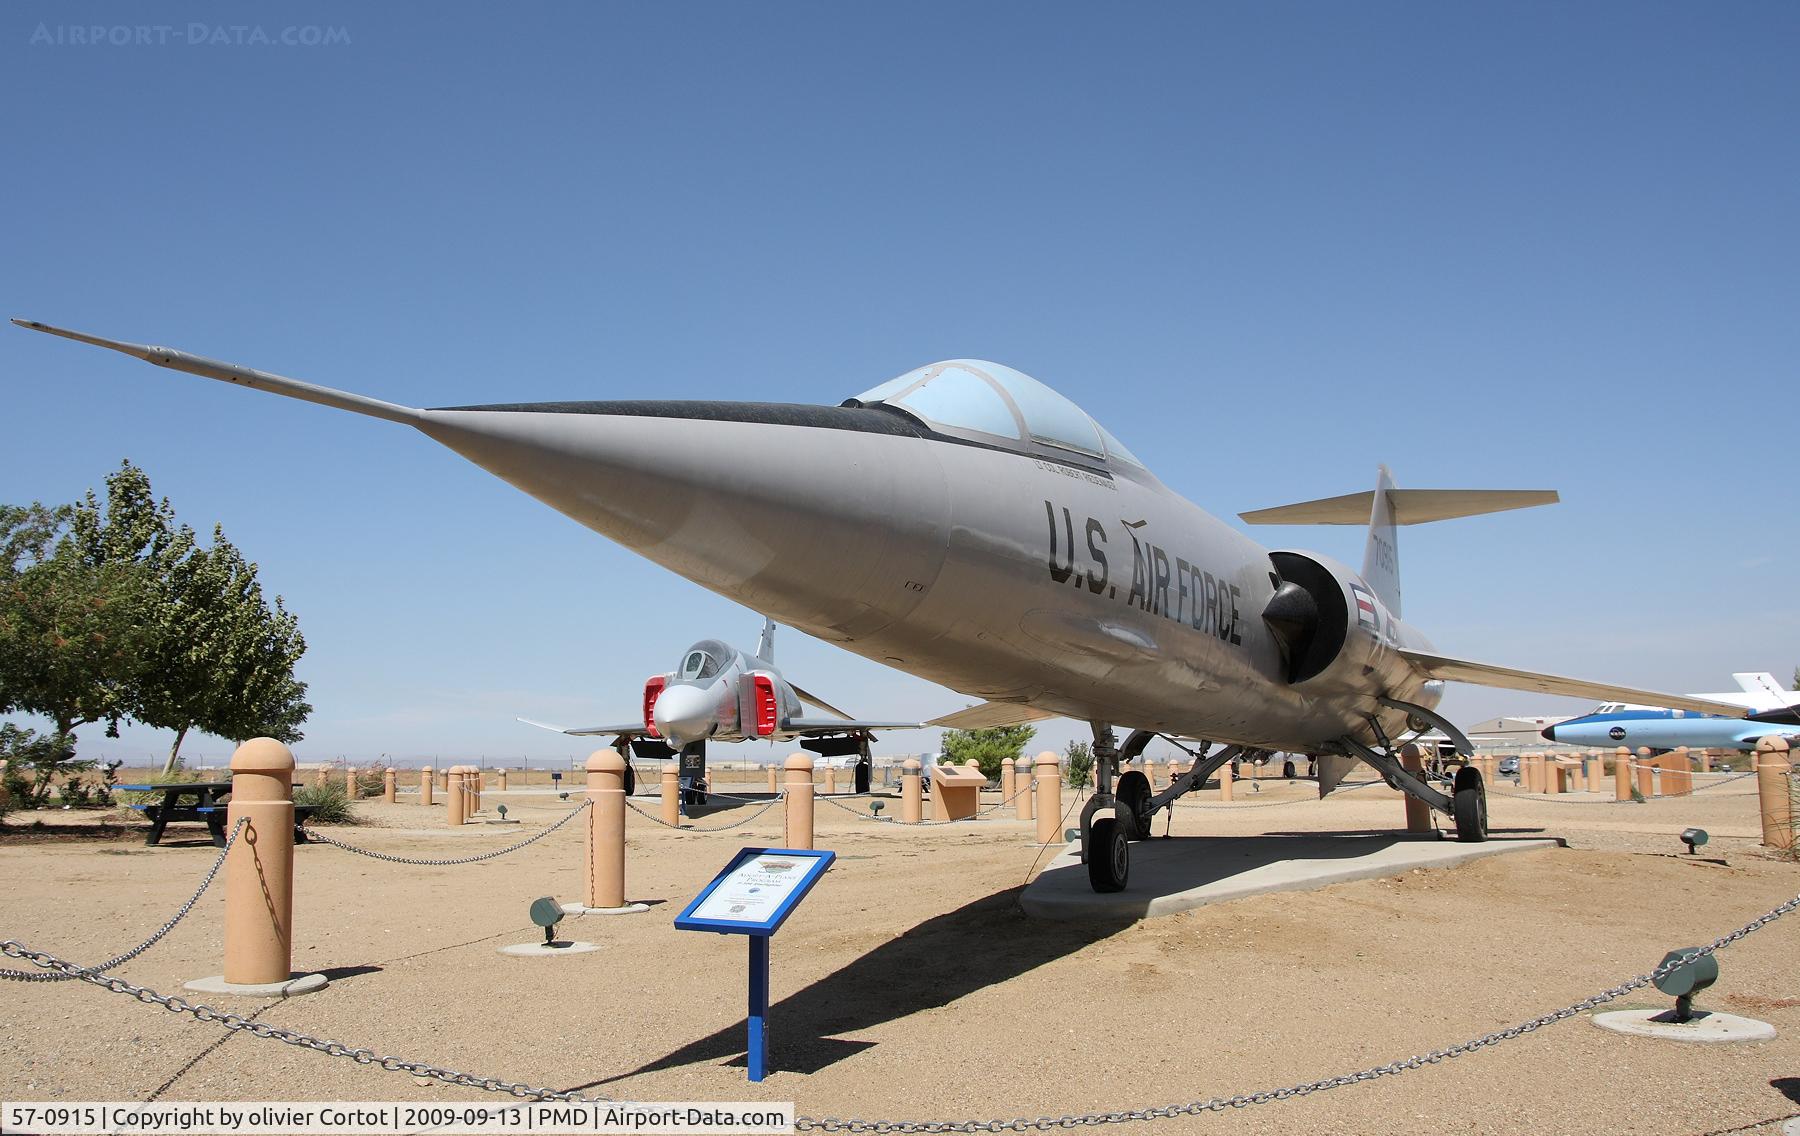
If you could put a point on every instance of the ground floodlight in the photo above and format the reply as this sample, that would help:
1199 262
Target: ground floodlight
1686 980
562 796
502 811
875 807
547 913
1693 838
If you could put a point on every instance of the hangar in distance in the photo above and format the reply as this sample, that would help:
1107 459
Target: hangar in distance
967 524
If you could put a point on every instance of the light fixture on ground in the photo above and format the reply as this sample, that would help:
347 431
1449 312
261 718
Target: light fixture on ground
1695 973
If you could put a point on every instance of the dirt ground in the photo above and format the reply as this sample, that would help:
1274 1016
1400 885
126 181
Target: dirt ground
910 986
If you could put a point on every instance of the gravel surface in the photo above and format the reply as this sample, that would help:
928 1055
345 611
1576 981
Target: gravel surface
909 985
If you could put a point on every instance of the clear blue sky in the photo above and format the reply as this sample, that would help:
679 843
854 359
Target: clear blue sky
1269 245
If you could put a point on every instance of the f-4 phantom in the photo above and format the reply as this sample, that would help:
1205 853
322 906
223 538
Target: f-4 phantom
722 694
967 524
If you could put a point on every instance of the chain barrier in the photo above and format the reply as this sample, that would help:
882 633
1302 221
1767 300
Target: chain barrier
200 1012
180 914
363 1056
1245 1100
995 807
315 834
776 800
1275 804
1556 799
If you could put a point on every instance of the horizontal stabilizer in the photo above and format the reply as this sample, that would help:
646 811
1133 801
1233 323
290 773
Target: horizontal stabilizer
1509 678
1410 506
988 715
632 730
241 376
812 726
810 698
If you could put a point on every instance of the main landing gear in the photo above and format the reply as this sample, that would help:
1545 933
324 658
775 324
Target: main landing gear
1106 840
1465 805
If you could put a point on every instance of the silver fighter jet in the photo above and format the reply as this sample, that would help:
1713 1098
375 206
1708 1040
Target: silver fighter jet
967 524
720 693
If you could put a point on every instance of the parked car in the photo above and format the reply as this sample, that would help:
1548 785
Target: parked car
1508 767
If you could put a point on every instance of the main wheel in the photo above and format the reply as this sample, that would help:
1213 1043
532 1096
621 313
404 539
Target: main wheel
1108 855
630 779
1134 793
1287 770
1468 804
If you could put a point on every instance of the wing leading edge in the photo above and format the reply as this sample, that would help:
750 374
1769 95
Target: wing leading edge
1511 678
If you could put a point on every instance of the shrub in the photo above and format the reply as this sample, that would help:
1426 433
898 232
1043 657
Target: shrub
1080 768
331 805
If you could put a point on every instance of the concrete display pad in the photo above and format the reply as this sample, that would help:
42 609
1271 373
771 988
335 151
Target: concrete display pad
1704 1026
539 950
1185 872
293 987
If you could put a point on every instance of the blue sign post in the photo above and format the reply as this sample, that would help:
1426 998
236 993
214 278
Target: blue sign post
753 896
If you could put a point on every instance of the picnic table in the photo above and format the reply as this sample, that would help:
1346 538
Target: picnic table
207 807
201 801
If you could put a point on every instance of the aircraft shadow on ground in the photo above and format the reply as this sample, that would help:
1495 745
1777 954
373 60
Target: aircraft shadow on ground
928 966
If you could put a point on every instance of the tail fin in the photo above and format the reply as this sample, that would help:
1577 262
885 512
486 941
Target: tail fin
1385 507
1381 554
765 646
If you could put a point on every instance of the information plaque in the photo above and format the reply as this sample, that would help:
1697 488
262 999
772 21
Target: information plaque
751 897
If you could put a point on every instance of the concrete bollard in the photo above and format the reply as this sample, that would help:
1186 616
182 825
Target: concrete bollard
1596 771
1049 798
1008 780
427 782
605 830
1704 758
1773 793
671 793
388 786
799 768
1418 813
1022 781
350 782
259 873
1646 773
1621 774
455 807
1226 780
500 780
1150 772
830 777
444 779
774 780
912 792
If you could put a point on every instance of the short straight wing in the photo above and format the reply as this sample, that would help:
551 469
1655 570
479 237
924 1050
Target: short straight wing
1510 678
632 731
989 715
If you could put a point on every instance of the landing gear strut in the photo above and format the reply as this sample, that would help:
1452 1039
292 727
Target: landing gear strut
1466 805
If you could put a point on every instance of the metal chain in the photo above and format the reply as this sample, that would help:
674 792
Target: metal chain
176 1005
1556 799
315 834
718 828
927 823
180 914
1244 1100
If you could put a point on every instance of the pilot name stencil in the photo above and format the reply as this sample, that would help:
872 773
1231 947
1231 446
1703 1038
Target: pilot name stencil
1162 585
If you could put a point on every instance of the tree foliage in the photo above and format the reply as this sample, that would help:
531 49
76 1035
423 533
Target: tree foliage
112 610
1080 766
989 747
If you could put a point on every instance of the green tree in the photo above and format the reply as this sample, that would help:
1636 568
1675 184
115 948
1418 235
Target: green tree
113 610
988 748
224 659
72 631
1080 765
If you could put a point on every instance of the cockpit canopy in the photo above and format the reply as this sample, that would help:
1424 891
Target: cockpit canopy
974 397
704 660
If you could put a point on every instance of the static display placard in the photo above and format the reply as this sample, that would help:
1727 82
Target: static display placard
756 891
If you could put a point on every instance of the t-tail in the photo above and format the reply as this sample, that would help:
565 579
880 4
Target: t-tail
1385 508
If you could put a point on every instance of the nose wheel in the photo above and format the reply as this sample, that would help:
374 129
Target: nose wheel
1468 806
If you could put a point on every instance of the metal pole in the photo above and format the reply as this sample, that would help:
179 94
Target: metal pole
758 1053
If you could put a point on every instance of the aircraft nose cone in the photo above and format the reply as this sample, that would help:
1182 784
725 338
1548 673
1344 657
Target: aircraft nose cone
684 714
1548 733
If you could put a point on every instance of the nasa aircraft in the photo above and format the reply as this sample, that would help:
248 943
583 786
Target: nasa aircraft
968 525
720 693
1773 714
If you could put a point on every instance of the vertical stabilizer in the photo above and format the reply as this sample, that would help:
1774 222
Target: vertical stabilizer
1381 557
765 646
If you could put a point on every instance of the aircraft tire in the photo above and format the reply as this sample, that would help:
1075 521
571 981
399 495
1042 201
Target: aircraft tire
1134 793
1287 770
1108 856
1468 805
630 779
